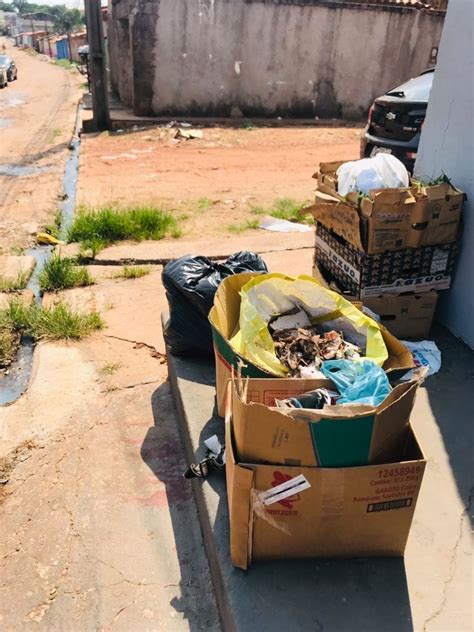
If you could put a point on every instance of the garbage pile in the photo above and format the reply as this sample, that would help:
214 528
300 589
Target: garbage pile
303 350
386 238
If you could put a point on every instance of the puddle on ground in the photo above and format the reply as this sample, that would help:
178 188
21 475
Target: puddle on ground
21 170
15 383
11 100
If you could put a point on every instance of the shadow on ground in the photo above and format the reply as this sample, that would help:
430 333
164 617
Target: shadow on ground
163 453
451 395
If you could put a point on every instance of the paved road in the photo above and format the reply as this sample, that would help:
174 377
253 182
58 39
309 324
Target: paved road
36 121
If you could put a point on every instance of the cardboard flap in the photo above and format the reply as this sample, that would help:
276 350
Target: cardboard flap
339 216
239 481
383 202
399 357
335 412
225 313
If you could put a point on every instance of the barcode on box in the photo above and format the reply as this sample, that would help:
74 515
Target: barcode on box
389 504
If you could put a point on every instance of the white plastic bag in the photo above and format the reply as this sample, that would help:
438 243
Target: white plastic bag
425 354
384 171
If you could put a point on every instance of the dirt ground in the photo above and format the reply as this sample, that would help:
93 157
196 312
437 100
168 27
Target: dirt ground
37 114
213 181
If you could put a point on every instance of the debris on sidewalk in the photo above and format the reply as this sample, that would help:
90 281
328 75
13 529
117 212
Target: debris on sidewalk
283 225
188 134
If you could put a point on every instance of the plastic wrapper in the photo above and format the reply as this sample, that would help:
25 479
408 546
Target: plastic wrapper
362 382
191 283
271 294
381 172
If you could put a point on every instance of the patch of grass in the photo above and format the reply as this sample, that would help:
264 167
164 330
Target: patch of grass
8 285
97 228
258 210
111 368
65 63
132 272
285 208
59 322
61 274
203 204
249 224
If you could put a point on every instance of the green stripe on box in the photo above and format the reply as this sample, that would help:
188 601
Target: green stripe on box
342 442
232 358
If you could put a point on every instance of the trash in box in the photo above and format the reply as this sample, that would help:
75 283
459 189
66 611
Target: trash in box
333 435
190 284
289 511
381 219
242 337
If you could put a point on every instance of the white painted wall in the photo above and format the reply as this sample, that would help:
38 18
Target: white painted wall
447 145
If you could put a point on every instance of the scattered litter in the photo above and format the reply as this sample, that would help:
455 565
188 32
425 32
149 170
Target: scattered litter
215 459
358 382
283 225
316 399
142 151
188 134
46 239
425 354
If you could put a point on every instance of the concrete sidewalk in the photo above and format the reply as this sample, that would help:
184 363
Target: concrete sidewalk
428 590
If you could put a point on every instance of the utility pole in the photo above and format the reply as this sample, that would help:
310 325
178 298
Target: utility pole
95 38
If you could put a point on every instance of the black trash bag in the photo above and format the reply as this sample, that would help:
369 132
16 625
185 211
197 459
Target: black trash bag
191 283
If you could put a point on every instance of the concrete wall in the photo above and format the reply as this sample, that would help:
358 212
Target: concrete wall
447 145
268 57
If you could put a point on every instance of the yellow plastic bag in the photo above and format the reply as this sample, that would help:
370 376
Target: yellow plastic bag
268 295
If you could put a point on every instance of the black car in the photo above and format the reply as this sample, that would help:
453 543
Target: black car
395 120
12 71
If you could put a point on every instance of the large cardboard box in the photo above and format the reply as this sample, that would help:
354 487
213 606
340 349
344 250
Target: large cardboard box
224 318
344 512
335 436
405 315
393 272
388 219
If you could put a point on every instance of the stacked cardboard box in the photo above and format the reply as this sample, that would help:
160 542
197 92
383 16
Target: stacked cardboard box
393 249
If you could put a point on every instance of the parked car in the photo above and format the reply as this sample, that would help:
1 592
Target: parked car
3 76
12 71
395 120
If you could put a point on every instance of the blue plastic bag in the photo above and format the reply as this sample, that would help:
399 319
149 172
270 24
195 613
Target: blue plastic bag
361 382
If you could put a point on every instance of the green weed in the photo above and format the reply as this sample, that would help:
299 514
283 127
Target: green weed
97 228
249 224
59 322
132 272
203 204
54 229
61 274
111 368
284 208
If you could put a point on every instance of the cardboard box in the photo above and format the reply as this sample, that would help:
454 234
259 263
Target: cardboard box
405 315
388 219
224 318
336 436
394 272
345 512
